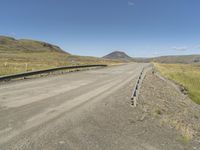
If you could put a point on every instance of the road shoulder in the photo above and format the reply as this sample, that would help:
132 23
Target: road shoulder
176 116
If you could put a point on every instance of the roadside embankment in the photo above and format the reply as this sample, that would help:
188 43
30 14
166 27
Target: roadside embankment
173 112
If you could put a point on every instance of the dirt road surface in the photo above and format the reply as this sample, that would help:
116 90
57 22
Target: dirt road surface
91 110
61 112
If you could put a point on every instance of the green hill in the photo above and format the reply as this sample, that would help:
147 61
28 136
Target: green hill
28 55
9 44
183 59
118 55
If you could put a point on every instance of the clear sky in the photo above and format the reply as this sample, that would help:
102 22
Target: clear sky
96 27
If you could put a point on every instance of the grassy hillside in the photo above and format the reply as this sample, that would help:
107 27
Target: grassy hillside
186 75
183 59
28 55
9 44
118 55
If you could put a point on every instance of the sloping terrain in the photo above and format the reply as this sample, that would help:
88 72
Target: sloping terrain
118 55
9 44
186 75
28 55
174 117
185 59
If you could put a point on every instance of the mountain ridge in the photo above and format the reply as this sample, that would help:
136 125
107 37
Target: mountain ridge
27 45
120 55
185 59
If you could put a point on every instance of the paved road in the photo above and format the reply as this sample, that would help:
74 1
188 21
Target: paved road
71 111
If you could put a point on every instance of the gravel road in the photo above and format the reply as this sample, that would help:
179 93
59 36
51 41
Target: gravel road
91 110
71 111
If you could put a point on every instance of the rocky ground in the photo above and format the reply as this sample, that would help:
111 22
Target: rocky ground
169 118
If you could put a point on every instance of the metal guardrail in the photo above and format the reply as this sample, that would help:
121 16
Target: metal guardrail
135 92
31 73
136 88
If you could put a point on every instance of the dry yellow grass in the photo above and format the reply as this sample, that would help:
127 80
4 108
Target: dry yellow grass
17 62
18 56
187 75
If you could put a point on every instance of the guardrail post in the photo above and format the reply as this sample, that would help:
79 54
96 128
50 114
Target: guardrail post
136 89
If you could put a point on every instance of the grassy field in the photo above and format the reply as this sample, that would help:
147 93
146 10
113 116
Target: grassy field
17 62
24 55
186 75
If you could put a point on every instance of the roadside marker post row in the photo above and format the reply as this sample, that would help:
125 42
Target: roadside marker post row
135 93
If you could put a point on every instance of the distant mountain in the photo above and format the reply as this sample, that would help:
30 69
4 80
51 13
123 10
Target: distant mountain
23 55
185 59
118 55
24 45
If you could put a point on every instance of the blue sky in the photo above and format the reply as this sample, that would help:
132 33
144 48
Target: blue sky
141 28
